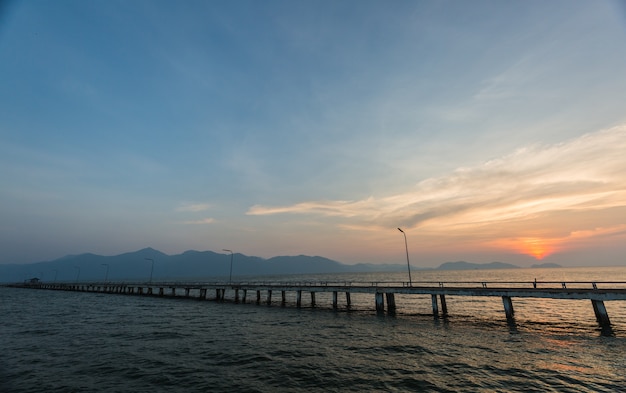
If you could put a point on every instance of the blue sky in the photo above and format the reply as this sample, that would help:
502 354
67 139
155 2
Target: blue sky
488 130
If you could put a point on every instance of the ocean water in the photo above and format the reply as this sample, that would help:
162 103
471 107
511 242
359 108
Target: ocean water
55 341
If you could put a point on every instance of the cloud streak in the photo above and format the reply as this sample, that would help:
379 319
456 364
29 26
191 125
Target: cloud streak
193 207
203 221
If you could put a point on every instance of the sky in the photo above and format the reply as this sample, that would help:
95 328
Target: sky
486 130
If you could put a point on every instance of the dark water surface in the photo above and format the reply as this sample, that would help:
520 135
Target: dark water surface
54 341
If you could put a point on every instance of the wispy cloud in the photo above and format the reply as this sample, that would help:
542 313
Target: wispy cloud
193 207
203 221
532 190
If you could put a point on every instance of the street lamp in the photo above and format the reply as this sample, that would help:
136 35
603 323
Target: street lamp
152 268
106 275
230 277
408 265
77 273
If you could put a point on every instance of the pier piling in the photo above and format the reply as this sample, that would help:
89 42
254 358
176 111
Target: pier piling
601 315
380 302
433 299
444 306
391 302
508 307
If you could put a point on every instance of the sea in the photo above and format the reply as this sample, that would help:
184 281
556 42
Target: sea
56 341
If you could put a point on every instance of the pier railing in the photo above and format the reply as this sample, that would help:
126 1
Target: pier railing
355 284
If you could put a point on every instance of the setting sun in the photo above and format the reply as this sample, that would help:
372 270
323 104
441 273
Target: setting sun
536 247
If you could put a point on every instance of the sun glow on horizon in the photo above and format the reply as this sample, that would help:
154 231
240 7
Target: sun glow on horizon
538 248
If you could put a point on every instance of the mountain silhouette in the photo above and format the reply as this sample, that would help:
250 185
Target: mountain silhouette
149 263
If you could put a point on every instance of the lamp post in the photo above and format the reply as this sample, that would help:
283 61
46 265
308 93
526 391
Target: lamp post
77 273
152 268
106 275
408 265
230 277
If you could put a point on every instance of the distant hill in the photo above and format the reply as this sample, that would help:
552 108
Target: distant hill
142 264
462 265
546 265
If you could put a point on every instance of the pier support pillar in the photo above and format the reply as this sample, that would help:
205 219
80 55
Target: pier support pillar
299 298
202 294
508 307
149 290
601 315
160 291
444 306
334 299
236 295
245 295
312 299
380 302
433 299
187 292
173 291
348 301
258 297
218 294
283 299
269 297
391 302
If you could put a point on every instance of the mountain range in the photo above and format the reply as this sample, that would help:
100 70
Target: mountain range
150 263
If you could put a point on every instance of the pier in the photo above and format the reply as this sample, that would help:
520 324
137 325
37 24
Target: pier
383 292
